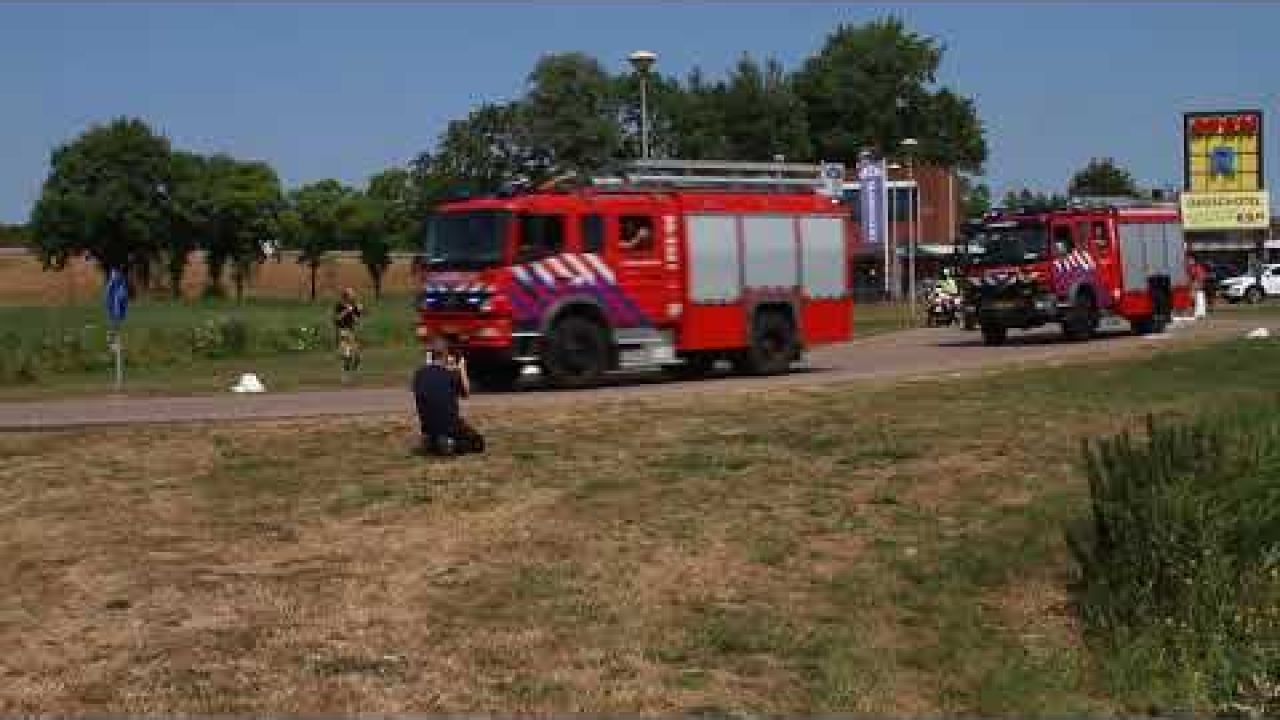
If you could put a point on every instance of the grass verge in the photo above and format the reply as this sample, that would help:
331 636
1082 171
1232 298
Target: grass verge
201 347
891 550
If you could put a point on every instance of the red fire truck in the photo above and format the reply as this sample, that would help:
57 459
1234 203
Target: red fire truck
1076 267
668 267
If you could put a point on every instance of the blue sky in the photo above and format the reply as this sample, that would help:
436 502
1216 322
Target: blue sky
343 90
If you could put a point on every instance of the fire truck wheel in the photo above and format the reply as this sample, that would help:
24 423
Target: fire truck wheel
773 346
495 376
1254 295
1150 325
695 365
575 353
994 334
1081 321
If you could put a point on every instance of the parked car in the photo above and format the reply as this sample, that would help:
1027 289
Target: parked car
1216 272
1246 286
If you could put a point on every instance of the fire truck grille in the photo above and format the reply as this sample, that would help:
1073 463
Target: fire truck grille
453 301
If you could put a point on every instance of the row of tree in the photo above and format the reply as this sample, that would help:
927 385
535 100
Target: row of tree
14 236
122 195
868 88
1102 177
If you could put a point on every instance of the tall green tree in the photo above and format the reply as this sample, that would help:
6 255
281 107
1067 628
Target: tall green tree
761 114
233 208
1103 177
364 223
870 87
189 222
247 204
1033 201
393 193
975 198
570 113
315 226
694 126
107 195
477 154
665 101
950 132
14 235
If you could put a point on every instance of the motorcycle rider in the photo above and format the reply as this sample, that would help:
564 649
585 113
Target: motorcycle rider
946 298
948 284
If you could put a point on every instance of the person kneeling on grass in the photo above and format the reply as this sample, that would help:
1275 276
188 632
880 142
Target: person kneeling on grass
437 387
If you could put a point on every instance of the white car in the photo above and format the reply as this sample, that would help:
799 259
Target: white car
1247 288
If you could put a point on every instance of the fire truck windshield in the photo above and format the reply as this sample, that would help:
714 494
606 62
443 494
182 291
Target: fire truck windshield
466 240
1009 244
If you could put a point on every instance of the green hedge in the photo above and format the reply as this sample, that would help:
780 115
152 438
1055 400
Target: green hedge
1180 562
40 343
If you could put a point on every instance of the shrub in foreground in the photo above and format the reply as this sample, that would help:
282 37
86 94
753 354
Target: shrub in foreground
1179 562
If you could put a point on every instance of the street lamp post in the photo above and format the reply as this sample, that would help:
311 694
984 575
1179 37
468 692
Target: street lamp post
642 61
913 206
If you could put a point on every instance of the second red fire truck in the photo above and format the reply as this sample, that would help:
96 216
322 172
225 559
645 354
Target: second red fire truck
654 270
1076 267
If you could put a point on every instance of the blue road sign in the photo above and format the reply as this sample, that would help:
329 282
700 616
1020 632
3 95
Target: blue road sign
117 297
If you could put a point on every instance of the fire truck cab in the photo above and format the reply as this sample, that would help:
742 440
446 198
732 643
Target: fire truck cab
1076 267
648 271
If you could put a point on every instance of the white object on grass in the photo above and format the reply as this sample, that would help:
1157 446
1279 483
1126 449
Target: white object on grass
1259 334
249 383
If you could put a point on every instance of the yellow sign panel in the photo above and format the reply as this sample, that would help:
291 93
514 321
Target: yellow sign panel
1223 151
1226 210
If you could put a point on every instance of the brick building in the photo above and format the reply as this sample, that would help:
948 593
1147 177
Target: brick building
935 192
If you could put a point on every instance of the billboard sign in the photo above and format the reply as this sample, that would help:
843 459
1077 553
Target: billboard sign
1222 151
1226 210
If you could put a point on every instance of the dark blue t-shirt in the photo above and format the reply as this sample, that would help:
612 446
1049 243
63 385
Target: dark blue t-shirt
435 391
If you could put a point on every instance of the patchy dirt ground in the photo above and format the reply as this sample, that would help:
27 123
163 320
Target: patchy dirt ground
791 550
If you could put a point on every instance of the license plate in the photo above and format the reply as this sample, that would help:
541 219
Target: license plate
1005 305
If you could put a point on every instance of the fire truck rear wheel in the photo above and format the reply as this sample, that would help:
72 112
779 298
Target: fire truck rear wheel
1149 325
575 353
773 345
994 334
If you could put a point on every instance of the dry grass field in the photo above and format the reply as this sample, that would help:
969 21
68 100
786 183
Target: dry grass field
867 548
24 282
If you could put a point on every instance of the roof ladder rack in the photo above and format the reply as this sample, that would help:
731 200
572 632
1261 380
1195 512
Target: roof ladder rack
719 174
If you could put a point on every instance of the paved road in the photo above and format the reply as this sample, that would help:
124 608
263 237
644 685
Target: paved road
922 352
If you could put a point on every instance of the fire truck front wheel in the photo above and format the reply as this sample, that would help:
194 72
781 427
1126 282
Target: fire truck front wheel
773 345
575 353
1081 321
